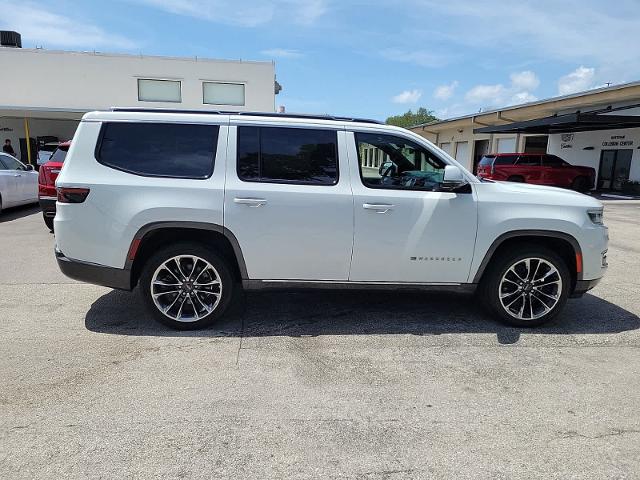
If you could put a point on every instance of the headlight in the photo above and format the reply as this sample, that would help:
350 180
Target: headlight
596 216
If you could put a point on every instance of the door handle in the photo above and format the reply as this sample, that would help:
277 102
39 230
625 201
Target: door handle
378 207
17 175
251 202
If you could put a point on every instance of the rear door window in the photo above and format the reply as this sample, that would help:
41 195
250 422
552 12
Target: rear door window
174 150
529 160
552 161
506 159
288 155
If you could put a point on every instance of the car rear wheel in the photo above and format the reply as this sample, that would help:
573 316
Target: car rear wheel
48 221
516 178
526 287
580 184
186 286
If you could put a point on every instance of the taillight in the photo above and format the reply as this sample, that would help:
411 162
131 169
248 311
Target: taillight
72 195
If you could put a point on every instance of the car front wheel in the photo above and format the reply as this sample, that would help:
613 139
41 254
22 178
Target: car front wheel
186 286
526 287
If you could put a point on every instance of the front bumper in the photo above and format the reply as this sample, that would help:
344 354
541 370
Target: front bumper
93 273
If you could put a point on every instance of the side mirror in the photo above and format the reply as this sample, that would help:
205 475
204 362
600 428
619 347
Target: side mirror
453 178
29 167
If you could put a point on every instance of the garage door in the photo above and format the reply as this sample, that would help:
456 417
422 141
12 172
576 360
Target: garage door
506 145
446 147
462 152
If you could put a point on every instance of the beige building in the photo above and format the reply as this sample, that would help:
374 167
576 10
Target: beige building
44 93
597 128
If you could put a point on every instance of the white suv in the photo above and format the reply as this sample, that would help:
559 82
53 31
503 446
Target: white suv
193 205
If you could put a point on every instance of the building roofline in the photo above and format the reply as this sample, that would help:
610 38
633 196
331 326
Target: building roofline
584 93
95 53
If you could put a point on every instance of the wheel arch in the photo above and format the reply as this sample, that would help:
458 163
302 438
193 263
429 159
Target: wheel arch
565 244
154 235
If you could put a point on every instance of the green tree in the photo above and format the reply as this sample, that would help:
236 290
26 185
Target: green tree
410 119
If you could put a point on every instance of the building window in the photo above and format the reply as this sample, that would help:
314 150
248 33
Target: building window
159 91
214 93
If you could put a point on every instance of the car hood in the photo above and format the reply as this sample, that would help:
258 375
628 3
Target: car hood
538 194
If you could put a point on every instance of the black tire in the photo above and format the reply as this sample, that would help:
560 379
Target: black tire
516 178
490 287
580 184
48 221
227 286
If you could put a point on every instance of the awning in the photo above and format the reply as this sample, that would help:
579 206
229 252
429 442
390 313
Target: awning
572 122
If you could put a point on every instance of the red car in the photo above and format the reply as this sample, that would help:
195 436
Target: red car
540 169
47 183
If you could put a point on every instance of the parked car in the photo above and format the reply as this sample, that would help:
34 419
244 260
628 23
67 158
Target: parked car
18 182
47 183
538 169
45 152
191 206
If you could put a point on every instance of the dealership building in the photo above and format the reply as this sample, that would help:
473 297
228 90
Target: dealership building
597 128
44 93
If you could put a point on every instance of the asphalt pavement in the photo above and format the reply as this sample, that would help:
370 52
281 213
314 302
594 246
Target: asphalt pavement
362 385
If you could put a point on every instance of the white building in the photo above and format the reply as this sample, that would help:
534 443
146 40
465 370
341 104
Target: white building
44 93
597 128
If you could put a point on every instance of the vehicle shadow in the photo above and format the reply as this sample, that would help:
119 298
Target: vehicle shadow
313 313
14 213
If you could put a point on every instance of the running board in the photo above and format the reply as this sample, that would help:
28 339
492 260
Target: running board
340 285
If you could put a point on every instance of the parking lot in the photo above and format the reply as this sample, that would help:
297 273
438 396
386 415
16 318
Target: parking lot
363 385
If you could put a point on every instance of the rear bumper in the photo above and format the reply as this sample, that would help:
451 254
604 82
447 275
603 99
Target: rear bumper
583 286
48 206
93 273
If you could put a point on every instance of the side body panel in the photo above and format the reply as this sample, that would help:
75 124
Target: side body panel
119 204
292 231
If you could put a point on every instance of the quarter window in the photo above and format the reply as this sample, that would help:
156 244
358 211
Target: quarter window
159 91
159 149
287 155
401 164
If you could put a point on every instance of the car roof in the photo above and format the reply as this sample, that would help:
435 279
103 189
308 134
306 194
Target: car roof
515 153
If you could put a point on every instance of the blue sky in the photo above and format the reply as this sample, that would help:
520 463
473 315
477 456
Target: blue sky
366 58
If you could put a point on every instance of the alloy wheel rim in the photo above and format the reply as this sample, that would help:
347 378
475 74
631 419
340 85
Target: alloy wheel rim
186 288
530 288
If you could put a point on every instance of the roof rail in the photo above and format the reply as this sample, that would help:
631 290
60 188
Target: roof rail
252 114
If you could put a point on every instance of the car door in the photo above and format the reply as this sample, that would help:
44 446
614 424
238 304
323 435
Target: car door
405 229
10 188
26 188
530 168
288 201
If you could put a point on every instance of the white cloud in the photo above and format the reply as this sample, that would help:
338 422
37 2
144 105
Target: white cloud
282 53
41 27
408 96
499 95
526 80
245 13
445 92
486 94
421 58
582 78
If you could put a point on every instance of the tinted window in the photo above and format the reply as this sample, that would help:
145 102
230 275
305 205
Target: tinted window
506 160
59 155
487 161
398 163
290 155
529 160
11 163
552 161
159 149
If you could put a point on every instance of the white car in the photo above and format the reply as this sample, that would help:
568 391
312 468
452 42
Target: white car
193 205
18 182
